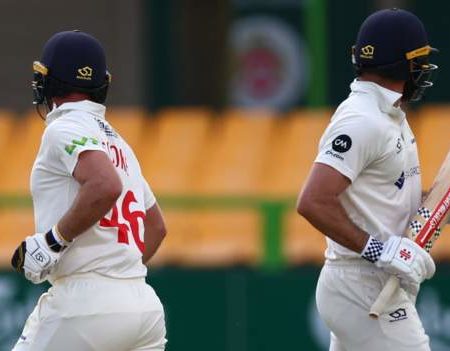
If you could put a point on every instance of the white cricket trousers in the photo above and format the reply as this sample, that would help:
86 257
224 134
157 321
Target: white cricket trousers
90 312
345 292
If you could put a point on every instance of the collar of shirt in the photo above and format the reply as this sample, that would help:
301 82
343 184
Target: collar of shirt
386 98
88 106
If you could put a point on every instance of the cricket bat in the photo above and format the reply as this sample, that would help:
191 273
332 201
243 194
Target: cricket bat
424 228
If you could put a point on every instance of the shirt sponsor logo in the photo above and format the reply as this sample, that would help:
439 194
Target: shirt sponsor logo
333 154
413 171
79 142
400 181
342 143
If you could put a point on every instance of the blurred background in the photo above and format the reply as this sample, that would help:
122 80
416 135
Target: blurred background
224 102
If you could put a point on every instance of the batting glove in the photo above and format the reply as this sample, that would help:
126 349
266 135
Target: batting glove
401 257
38 254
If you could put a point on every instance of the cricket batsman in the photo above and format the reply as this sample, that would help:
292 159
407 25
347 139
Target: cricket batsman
97 221
365 186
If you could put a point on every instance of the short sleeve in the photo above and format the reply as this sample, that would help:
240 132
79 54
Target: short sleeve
67 140
349 144
149 197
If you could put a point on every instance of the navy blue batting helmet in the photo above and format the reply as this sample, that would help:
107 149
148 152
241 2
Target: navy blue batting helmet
394 44
71 61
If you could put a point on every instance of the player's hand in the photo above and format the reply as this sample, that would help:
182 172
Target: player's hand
407 260
37 255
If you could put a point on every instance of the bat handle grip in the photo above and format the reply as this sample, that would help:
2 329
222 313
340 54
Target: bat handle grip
384 297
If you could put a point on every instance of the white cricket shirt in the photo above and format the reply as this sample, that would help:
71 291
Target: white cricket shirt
370 142
111 247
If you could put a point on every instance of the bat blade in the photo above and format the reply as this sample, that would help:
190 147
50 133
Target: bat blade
424 228
437 219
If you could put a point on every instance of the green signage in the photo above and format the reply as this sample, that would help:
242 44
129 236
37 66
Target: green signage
236 309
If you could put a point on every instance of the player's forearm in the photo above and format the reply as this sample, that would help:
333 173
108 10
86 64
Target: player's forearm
92 202
155 238
329 217
155 232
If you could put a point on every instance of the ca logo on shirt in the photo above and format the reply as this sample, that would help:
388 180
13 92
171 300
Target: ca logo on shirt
342 143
